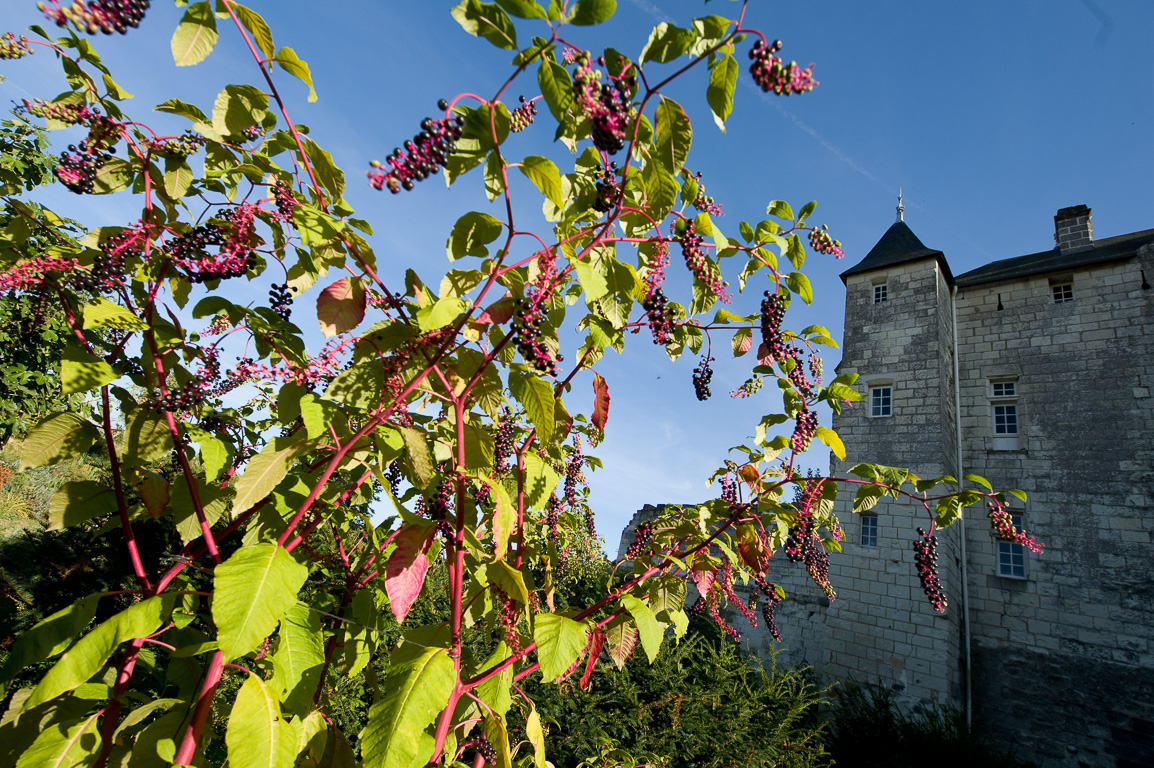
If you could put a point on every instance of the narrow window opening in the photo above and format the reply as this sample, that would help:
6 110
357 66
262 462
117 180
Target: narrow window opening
1011 556
1063 292
881 293
869 530
881 401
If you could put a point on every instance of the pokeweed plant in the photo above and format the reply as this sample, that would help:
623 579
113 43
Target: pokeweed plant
452 404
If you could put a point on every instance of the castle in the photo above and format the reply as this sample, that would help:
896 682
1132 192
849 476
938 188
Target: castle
1036 373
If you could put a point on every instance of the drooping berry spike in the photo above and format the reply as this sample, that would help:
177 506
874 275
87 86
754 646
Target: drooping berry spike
523 116
771 74
702 375
926 561
421 157
1003 524
280 299
772 315
527 327
12 47
821 241
105 16
803 543
609 106
693 249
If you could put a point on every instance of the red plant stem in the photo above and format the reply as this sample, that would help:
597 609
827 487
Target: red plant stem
115 702
200 713
118 488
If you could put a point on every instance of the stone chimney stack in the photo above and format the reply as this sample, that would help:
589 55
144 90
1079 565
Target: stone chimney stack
1073 228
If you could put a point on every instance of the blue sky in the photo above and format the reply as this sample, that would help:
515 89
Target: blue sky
989 115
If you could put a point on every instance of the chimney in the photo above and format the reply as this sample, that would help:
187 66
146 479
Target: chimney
1074 229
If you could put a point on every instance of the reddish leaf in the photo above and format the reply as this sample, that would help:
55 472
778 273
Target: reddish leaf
754 553
763 356
703 574
594 654
405 572
577 661
751 476
621 634
341 306
497 313
600 401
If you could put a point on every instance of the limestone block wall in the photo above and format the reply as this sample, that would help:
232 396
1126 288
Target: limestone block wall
881 628
1078 630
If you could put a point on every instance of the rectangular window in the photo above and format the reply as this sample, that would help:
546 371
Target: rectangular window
1063 292
869 530
881 401
881 293
1005 420
1011 556
1004 412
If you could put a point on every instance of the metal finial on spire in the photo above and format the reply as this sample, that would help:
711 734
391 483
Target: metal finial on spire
901 208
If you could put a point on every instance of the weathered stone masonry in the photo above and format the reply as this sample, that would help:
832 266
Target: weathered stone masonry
1055 658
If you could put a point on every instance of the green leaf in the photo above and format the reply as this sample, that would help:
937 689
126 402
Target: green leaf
147 438
557 88
440 313
494 180
495 690
84 659
56 438
213 501
486 20
81 372
48 638
509 579
523 9
830 438
265 471
113 176
719 94
61 746
102 313
195 36
415 693
540 480
536 396
795 251
807 210
359 386
287 59
238 108
177 177
504 517
588 12
867 497
471 234
258 736
666 43
780 209
536 735
673 136
620 639
298 658
947 510
79 501
560 641
331 177
647 626
256 27
545 176
178 107
799 284
255 588
979 480
419 455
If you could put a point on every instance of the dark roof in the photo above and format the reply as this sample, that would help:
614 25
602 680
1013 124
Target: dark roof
898 245
1102 251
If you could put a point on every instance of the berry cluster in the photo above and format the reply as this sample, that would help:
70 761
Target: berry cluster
69 114
771 74
608 190
693 249
552 512
702 375
704 202
772 598
503 443
728 490
574 473
220 324
78 166
282 195
660 316
821 242
12 47
510 615
393 475
926 560
183 146
709 605
484 748
608 106
206 383
34 272
803 431
803 543
235 255
748 388
523 116
527 316
108 266
725 579
1003 524
422 156
105 16
772 315
815 368
280 298
641 538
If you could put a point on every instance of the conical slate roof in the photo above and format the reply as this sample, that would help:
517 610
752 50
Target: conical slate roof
898 245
